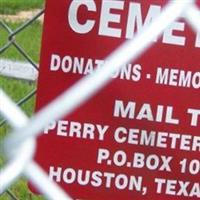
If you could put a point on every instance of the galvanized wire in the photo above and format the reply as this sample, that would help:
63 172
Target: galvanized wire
24 134
11 194
12 42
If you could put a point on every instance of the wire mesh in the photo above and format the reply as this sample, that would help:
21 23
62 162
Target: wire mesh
25 130
11 41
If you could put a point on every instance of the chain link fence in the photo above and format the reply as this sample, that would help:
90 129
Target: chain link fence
24 131
11 42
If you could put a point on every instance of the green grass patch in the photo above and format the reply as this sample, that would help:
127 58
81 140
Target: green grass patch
14 6
29 39
17 89
20 190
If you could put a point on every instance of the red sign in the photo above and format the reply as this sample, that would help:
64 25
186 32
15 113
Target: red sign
138 138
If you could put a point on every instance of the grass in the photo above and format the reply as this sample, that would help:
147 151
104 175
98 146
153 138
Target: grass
14 6
29 39
17 89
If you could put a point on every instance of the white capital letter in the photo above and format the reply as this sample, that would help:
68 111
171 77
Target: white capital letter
73 16
107 17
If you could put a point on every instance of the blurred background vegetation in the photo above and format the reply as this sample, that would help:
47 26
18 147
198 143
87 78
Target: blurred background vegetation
14 6
30 40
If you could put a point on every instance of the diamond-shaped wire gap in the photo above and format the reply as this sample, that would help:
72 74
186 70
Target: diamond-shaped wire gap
27 42
17 90
14 54
20 56
11 194
19 189
24 30
21 91
21 102
10 51
4 34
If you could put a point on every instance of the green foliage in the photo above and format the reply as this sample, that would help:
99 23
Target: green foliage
14 6
29 39
21 191
17 89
